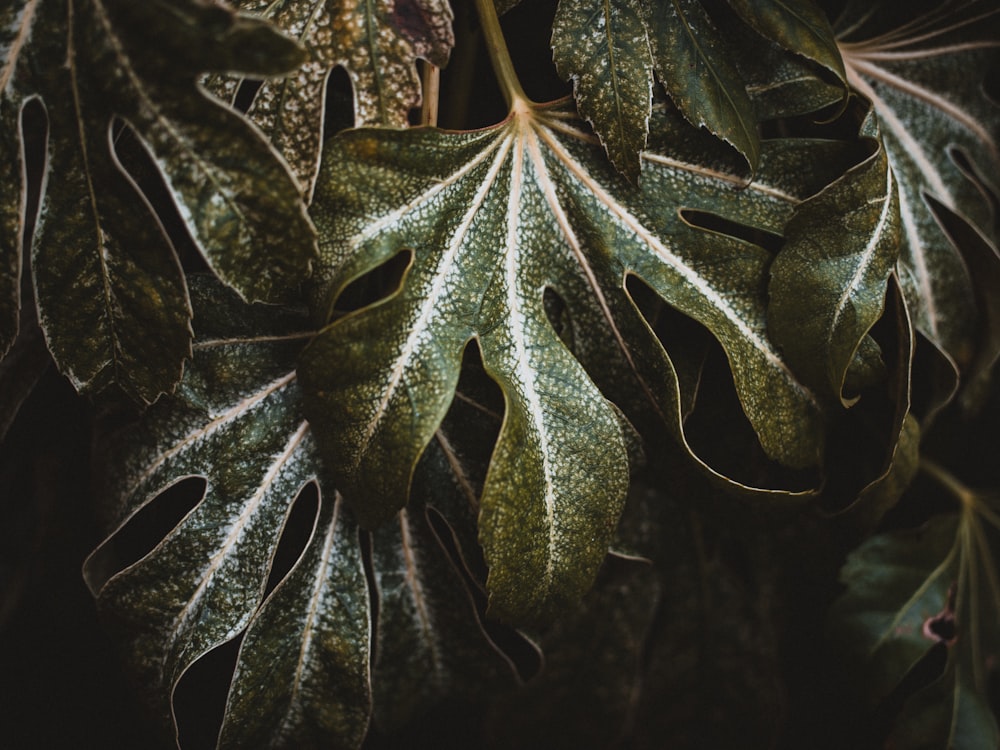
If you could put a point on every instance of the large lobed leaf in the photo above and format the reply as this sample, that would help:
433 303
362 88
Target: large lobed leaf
303 674
490 220
110 294
377 43
923 76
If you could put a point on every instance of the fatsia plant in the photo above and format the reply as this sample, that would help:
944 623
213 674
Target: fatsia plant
611 415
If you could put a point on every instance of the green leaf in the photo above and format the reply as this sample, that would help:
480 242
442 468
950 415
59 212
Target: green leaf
378 45
800 27
491 219
430 645
111 296
236 420
693 61
922 79
301 677
604 49
907 592
828 283
304 674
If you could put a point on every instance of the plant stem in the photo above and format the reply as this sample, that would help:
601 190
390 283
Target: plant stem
948 481
503 66
431 85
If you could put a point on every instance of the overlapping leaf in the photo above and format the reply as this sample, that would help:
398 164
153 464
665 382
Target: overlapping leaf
111 296
923 79
909 591
492 219
303 674
611 50
377 43
828 287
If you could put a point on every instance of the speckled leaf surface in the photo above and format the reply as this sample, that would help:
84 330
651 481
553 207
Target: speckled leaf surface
491 219
694 63
236 421
110 294
828 282
377 43
605 50
924 79
909 591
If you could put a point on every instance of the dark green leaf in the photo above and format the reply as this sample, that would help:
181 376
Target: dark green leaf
799 26
604 49
693 61
923 79
828 282
110 293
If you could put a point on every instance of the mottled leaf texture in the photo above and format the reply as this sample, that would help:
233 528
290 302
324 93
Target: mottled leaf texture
110 294
828 283
490 220
693 61
925 80
377 43
911 591
605 50
302 675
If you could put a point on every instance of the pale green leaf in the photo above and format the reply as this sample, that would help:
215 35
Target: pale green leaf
111 297
604 48
491 219
828 283
693 61
924 81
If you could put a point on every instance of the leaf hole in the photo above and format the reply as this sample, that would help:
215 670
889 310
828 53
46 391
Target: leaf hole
382 281
715 223
199 701
144 530
34 139
246 92
338 111
295 535
141 170
558 314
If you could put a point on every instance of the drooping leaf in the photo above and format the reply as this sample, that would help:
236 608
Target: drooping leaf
491 219
910 591
378 45
692 60
828 287
111 297
604 49
800 27
923 78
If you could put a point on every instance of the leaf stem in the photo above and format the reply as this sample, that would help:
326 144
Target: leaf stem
431 94
947 480
503 66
